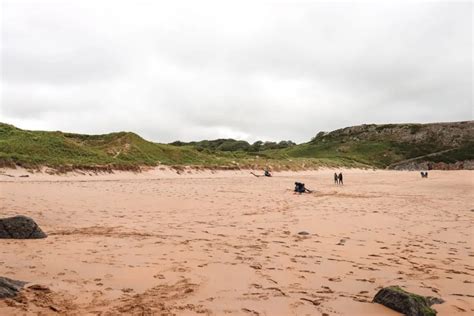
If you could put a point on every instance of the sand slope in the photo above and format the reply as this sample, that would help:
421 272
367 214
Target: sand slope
228 243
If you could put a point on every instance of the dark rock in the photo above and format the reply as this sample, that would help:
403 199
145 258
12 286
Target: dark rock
20 227
256 266
10 288
303 233
405 302
40 288
434 300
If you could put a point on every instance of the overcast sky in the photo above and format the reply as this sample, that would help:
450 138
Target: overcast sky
192 70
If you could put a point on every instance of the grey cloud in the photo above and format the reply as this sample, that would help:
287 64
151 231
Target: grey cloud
249 70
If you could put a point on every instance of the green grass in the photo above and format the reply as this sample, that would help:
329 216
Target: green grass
124 150
34 148
462 153
378 154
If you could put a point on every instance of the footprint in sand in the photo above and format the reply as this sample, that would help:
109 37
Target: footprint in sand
256 266
341 242
127 290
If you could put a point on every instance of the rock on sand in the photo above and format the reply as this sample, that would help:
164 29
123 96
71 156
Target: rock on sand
10 288
405 302
20 227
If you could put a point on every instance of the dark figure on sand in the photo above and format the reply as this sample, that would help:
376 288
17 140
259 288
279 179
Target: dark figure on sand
340 178
266 173
300 188
424 174
336 178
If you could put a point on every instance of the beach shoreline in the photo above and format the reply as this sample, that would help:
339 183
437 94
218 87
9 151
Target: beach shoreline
225 242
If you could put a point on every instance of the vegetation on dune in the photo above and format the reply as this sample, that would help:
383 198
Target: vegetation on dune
229 144
125 150
33 148
462 153
359 146
370 153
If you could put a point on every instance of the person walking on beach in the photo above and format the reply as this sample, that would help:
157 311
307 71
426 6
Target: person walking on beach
340 178
336 178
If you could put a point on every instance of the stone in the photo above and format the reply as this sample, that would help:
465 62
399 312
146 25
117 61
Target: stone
20 227
256 266
10 288
405 302
303 233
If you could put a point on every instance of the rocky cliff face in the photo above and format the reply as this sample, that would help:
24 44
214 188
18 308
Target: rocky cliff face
444 146
445 134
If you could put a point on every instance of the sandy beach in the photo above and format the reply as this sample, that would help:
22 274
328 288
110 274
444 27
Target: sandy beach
229 243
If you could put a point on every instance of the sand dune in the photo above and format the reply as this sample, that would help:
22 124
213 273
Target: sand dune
229 243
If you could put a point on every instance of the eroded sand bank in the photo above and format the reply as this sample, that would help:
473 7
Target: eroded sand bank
228 243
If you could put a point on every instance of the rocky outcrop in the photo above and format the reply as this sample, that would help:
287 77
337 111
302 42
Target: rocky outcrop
405 302
10 288
20 227
449 135
427 165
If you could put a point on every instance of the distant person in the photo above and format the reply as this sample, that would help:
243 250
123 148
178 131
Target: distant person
336 178
340 178
266 173
300 188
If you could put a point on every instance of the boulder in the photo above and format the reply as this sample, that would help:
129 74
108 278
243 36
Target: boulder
405 302
10 288
20 227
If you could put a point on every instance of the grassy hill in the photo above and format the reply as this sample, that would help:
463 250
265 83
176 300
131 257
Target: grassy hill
120 150
126 151
358 146
384 145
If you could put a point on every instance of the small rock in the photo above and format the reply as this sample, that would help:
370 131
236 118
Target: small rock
256 266
20 227
54 308
303 233
405 302
10 288
434 300
40 288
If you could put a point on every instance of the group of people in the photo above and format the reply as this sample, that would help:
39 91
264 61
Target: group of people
300 187
338 179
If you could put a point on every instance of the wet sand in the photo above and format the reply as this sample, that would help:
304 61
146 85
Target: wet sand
228 243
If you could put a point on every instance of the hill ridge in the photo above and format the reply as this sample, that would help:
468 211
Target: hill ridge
443 145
